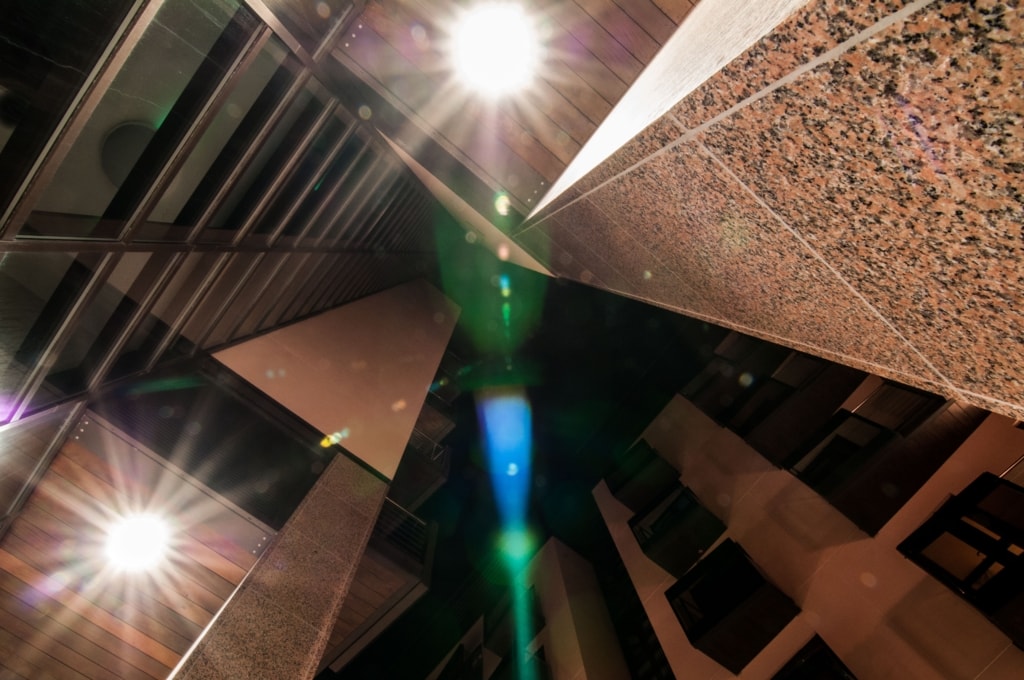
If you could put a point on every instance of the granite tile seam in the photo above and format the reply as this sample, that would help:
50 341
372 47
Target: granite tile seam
980 399
593 280
830 55
661 266
857 294
828 354
993 661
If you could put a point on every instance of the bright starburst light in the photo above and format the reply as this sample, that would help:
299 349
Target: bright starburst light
137 542
495 48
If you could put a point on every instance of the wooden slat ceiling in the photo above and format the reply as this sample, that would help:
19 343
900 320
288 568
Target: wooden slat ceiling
594 50
376 582
65 614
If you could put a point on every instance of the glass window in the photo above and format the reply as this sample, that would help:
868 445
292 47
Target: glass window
206 314
154 328
144 114
22 447
259 177
303 184
284 302
253 290
310 22
227 135
36 292
282 278
46 51
365 186
100 324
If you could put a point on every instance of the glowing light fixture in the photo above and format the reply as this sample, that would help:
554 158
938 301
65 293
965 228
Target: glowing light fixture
137 542
495 48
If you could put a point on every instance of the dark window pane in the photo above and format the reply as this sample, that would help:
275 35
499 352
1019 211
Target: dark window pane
224 433
22 446
310 22
152 330
100 324
231 125
139 119
46 50
295 189
257 179
36 291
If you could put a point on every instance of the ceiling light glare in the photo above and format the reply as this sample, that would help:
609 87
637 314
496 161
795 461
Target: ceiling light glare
495 48
137 542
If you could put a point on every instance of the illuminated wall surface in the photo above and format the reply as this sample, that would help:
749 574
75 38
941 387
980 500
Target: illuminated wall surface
358 374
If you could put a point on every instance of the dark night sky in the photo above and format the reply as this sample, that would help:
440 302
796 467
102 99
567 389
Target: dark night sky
597 367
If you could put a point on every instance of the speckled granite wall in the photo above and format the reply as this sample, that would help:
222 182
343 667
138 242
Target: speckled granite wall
278 623
852 186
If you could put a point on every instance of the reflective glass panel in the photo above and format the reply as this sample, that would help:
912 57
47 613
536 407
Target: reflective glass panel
22 446
46 51
36 292
139 119
229 129
100 324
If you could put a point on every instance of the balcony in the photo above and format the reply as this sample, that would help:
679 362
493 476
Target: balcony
639 475
974 544
727 609
676 530
393 574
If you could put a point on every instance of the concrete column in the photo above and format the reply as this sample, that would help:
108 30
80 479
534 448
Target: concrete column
278 623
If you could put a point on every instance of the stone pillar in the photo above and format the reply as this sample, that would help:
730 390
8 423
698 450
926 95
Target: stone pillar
278 622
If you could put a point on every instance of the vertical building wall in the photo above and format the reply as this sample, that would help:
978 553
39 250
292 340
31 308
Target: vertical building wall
366 367
848 186
880 613
359 372
580 639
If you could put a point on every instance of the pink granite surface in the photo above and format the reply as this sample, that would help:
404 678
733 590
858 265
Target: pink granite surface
279 621
864 204
902 164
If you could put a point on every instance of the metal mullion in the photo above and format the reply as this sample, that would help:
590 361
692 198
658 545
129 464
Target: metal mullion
312 284
293 302
316 286
399 216
43 464
238 68
388 229
62 335
362 276
380 221
296 202
335 32
256 144
423 213
275 270
324 297
348 199
403 214
357 226
284 173
334 195
186 312
388 222
153 294
372 217
79 112
352 273
410 226
296 270
325 201
364 281
227 301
